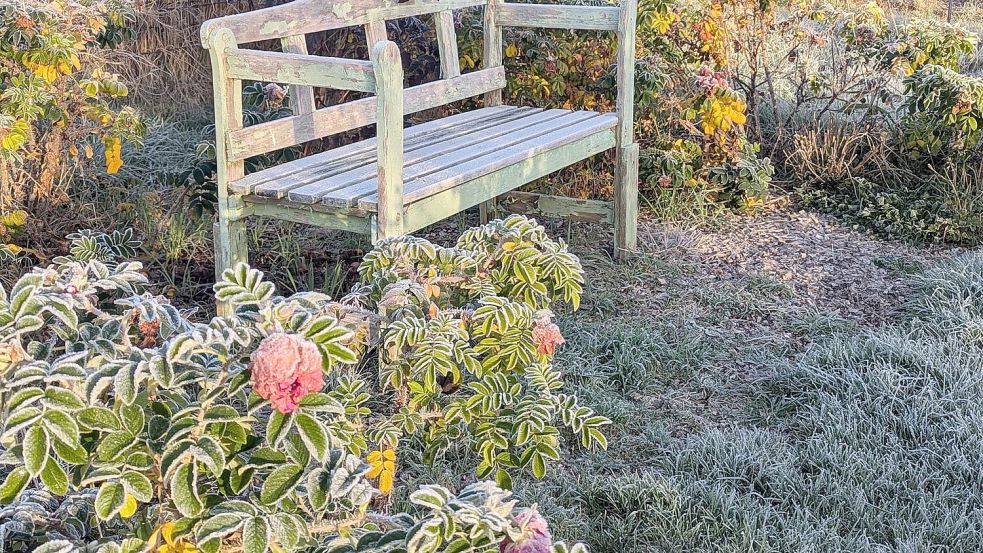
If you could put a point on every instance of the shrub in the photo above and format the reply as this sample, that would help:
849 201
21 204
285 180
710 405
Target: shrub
261 428
57 102
943 112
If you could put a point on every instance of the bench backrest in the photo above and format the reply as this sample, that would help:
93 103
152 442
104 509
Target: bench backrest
289 23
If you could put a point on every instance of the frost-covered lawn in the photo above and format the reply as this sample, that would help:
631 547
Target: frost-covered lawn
756 413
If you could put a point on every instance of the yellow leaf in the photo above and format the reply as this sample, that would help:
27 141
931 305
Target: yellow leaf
511 51
374 457
129 507
509 246
389 455
73 150
114 159
88 151
386 482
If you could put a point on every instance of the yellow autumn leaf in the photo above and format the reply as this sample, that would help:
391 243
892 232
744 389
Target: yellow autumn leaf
114 158
129 507
511 51
383 463
386 482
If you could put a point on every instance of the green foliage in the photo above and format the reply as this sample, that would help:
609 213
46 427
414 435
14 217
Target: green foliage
474 319
112 397
943 112
56 102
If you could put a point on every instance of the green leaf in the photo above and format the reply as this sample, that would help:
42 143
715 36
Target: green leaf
98 418
35 450
138 485
538 465
109 500
219 526
15 483
210 452
277 427
255 535
72 454
56 546
61 427
503 479
60 398
54 477
113 446
279 483
184 490
314 435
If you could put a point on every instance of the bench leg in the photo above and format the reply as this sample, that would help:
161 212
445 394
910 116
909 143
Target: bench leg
230 249
626 201
486 210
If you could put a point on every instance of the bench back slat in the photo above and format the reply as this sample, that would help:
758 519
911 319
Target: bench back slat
290 131
296 69
301 97
450 60
586 18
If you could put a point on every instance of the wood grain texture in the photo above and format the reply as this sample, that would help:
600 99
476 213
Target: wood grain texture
375 32
626 162
350 221
467 163
290 131
548 16
301 69
275 182
343 187
450 60
626 201
299 17
492 49
301 97
420 7
449 202
230 229
442 150
389 138
625 76
571 209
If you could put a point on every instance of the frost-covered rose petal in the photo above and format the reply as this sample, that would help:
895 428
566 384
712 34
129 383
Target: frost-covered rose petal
285 368
546 336
535 537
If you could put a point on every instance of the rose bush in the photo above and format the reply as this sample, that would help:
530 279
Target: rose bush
128 426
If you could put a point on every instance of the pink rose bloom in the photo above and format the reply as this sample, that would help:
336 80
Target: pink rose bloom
285 368
535 537
546 336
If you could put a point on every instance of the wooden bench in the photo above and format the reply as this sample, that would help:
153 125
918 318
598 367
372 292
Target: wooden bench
405 178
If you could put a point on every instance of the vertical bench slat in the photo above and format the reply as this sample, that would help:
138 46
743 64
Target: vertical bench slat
450 60
301 97
492 52
375 32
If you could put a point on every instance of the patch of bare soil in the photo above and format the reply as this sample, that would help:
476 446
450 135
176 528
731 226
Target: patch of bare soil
822 264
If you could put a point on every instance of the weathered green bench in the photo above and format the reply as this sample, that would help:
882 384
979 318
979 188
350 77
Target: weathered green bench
405 178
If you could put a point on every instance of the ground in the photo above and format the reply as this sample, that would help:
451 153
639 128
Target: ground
742 366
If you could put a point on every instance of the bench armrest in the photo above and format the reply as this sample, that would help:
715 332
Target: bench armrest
553 16
301 69
388 67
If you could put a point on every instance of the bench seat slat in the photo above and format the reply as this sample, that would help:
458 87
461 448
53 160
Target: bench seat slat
265 182
320 177
462 151
499 157
344 189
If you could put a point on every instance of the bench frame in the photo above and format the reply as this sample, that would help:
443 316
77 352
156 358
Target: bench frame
383 75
